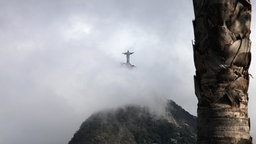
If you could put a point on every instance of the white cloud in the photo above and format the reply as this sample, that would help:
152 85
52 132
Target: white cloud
76 28
60 62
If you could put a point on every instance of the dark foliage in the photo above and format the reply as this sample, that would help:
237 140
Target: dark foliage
136 125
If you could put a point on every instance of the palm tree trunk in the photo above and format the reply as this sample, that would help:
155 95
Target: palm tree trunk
222 58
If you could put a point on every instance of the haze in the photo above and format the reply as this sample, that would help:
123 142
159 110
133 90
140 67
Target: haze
60 61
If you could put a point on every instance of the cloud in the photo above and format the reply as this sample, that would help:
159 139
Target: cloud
60 61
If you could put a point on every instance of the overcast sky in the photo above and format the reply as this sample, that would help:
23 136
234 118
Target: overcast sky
60 61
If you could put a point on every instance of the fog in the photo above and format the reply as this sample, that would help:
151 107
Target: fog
60 61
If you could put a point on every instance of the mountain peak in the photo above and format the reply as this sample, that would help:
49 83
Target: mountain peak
137 125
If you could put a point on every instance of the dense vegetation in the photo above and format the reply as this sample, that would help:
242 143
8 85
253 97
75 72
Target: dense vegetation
136 125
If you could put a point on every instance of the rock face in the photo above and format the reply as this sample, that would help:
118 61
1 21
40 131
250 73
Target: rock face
136 125
222 59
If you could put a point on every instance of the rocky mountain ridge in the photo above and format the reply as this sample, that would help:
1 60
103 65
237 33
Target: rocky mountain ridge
137 125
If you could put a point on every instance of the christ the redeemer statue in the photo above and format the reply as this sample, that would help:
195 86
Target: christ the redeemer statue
128 58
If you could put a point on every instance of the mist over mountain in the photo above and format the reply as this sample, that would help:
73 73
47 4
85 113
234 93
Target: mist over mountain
138 125
60 62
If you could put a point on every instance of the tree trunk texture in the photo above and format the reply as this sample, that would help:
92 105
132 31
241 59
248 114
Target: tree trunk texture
222 59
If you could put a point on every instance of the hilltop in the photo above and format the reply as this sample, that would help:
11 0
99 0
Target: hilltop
137 125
